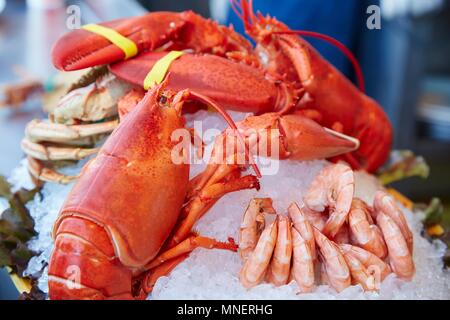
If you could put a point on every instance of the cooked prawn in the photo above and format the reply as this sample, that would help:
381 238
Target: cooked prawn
333 188
254 269
400 257
360 275
303 226
252 225
303 263
336 267
343 235
323 275
317 219
373 264
364 233
280 266
385 203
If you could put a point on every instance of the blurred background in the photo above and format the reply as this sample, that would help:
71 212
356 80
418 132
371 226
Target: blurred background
406 65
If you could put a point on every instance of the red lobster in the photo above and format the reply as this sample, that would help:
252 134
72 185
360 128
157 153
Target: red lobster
293 77
106 245
128 220
138 225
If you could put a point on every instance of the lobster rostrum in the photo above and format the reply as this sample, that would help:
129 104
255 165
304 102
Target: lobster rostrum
290 75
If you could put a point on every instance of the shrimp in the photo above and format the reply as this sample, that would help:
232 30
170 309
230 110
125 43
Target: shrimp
303 264
280 266
323 275
333 188
364 233
343 235
373 264
338 273
385 203
317 219
254 269
252 225
399 254
359 273
303 226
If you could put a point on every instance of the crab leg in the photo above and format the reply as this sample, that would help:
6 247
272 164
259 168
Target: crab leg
38 130
49 153
39 172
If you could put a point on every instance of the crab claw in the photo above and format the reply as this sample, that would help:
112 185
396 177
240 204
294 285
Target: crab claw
81 49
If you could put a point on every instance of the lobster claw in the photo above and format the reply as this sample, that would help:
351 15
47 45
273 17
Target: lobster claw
81 49
307 140
300 138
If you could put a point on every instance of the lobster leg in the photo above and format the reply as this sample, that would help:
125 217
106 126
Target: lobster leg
48 153
188 245
200 204
163 269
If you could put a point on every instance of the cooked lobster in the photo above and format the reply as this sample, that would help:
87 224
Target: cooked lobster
296 77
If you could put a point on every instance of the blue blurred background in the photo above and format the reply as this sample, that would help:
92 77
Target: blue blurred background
405 63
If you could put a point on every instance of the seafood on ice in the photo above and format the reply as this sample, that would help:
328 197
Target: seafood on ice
334 238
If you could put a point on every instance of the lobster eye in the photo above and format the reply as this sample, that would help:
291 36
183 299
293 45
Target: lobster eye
162 99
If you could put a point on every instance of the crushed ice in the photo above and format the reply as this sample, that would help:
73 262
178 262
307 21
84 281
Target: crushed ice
213 274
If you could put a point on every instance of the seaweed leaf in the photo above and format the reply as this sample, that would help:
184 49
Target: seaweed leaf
16 228
5 188
403 164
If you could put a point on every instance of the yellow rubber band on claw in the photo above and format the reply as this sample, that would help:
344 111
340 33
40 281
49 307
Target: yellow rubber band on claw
126 45
159 70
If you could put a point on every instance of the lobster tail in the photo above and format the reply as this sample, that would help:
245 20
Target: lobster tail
83 264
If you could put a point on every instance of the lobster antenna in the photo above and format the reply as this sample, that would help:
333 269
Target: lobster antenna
252 12
347 52
246 14
236 6
230 122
